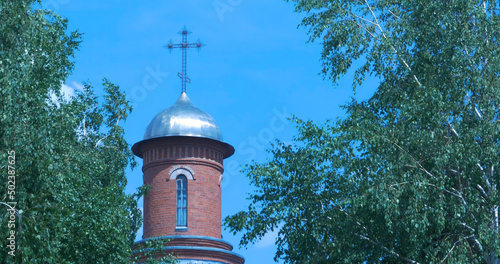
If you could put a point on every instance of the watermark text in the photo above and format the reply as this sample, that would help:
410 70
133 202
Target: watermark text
11 197
224 6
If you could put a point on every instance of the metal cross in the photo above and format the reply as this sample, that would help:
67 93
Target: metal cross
184 46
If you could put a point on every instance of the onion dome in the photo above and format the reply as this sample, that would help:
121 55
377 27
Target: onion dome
183 119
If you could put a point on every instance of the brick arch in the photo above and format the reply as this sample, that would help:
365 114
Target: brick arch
182 171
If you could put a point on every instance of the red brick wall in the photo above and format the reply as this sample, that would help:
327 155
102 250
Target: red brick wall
204 194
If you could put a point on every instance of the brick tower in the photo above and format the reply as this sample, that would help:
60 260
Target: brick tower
183 155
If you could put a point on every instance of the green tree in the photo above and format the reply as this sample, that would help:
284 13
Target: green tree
152 250
410 175
62 161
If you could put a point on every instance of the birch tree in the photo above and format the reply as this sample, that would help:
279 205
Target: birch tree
62 162
408 176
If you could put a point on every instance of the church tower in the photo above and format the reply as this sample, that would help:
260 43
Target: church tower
183 153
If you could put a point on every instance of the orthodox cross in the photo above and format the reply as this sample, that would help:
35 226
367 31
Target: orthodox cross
184 46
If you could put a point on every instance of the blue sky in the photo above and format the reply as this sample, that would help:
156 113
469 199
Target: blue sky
255 70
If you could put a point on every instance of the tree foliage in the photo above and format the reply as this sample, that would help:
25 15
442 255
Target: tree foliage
153 251
69 155
410 175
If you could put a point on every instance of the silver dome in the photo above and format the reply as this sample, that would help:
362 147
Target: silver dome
183 119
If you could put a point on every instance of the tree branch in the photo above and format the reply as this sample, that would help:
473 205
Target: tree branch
378 244
454 244
394 49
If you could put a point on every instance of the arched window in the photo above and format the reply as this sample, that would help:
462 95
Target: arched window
181 201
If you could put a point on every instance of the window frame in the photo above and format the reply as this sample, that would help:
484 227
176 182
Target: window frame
181 202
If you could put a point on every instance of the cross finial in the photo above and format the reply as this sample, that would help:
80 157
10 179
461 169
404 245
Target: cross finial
184 46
